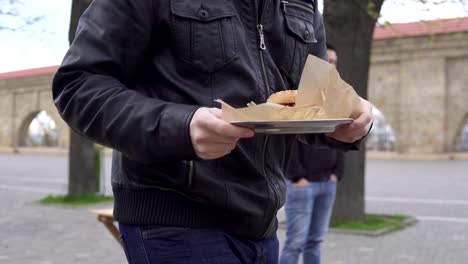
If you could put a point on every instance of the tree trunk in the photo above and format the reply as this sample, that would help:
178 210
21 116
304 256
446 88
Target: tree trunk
81 162
82 178
350 25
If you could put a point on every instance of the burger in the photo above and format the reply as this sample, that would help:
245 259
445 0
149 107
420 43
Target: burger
285 98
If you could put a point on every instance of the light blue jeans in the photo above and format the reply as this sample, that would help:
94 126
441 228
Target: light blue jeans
308 211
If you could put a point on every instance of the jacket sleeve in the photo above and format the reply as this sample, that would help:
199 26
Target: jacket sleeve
338 170
92 88
321 140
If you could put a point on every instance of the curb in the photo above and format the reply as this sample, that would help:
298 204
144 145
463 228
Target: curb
407 223
378 155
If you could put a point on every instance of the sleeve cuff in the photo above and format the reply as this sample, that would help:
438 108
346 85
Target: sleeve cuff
347 146
174 132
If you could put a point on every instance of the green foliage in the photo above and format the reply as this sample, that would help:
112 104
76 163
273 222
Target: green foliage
75 200
372 10
373 223
13 9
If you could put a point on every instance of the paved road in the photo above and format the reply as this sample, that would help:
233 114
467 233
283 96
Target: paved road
434 191
437 189
39 173
431 190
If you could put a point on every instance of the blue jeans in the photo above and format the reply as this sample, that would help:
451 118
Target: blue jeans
308 211
163 244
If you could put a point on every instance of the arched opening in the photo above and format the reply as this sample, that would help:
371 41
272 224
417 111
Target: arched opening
462 144
381 137
38 130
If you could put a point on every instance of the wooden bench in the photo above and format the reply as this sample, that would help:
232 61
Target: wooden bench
106 217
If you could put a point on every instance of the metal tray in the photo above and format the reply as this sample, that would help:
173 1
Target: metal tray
294 126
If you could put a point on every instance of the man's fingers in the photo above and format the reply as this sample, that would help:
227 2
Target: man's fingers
211 156
216 112
348 134
225 129
364 107
213 137
214 148
362 121
351 133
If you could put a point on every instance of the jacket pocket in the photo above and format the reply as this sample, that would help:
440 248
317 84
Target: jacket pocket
163 232
164 175
204 33
189 168
299 19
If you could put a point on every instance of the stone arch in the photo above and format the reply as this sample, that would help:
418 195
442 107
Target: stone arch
24 127
47 105
24 138
460 143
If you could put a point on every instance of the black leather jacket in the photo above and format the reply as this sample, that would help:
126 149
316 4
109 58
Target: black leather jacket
138 69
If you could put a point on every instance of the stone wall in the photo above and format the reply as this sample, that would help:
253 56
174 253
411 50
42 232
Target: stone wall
21 99
421 86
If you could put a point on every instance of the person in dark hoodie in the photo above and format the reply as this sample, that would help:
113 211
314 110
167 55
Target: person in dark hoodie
313 174
141 77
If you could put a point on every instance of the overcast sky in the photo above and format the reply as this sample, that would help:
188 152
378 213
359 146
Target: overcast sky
34 33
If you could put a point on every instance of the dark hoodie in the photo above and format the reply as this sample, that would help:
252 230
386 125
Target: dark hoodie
314 164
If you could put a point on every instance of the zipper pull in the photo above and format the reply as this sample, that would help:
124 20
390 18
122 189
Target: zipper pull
262 37
285 3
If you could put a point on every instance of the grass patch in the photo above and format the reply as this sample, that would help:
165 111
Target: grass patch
75 200
373 223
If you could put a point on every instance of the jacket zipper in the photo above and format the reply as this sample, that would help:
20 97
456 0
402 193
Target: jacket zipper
262 60
190 173
296 4
262 49
283 161
270 182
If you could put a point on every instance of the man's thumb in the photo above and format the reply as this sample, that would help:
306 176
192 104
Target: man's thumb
216 112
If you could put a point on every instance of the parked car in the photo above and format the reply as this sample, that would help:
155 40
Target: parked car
381 137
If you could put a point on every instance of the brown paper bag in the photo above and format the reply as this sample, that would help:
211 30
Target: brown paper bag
322 94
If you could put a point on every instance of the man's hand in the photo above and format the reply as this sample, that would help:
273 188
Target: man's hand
303 182
362 121
213 137
333 178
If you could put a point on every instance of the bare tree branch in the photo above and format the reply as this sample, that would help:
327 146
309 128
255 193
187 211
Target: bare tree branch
11 8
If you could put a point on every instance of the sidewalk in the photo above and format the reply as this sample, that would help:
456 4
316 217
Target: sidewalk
33 233
37 234
426 242
433 191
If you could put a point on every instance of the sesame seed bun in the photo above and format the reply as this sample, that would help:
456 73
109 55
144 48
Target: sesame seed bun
287 97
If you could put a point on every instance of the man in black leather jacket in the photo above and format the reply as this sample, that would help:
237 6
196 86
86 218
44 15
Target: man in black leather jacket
141 77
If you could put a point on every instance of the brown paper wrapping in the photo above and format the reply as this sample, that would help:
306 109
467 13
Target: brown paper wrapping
322 94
